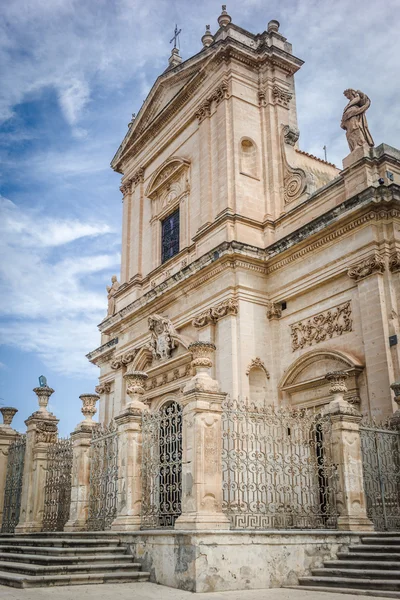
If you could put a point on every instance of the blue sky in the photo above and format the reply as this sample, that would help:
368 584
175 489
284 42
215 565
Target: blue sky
72 74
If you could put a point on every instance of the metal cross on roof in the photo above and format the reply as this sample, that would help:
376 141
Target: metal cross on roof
175 39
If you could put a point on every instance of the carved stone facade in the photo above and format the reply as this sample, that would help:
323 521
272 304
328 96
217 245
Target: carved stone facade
368 266
213 314
322 327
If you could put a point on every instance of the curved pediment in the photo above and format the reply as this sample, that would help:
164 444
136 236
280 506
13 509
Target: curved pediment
166 174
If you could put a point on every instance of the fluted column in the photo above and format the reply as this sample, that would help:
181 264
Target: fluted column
80 484
346 455
40 434
7 436
129 426
202 447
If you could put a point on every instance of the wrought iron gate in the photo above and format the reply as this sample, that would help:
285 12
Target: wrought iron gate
162 467
380 448
277 468
13 487
57 496
103 477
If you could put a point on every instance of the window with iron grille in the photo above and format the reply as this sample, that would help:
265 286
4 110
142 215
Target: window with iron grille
170 236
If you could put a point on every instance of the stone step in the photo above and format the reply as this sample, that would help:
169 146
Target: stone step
343 590
43 559
350 582
368 556
58 541
355 564
380 540
59 550
374 548
357 573
38 570
25 581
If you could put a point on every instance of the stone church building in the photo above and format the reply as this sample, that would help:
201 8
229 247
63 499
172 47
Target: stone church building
253 326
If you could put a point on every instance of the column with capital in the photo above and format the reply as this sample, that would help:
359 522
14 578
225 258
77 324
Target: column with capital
80 483
202 446
40 434
129 424
7 436
346 455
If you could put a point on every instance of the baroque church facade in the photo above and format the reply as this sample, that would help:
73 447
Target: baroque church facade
233 235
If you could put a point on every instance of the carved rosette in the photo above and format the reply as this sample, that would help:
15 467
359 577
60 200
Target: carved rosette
394 262
257 363
369 266
8 413
104 388
89 406
213 314
43 394
274 311
337 379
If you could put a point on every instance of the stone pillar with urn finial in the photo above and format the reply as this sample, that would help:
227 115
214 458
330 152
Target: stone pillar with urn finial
7 436
346 455
80 483
129 428
202 446
40 434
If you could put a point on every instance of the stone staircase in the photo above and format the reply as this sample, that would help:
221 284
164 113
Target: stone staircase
47 559
371 568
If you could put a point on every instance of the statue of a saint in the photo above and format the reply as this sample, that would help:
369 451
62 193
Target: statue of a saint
354 120
112 290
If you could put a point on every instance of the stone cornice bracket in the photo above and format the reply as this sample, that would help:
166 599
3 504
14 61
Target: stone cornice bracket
213 314
274 311
369 266
294 179
257 363
219 94
103 388
281 96
394 262
124 359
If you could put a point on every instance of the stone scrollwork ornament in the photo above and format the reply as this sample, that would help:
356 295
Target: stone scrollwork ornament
46 431
295 179
369 266
164 337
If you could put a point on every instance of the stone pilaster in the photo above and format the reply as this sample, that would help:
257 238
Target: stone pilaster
346 455
202 447
40 434
80 484
7 436
129 424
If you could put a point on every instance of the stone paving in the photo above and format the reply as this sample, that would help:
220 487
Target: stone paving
152 591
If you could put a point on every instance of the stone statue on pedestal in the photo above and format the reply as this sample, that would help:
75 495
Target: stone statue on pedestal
354 120
112 290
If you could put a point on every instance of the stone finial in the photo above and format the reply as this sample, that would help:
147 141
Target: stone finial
273 26
337 380
224 19
8 413
89 408
135 388
202 353
207 38
338 388
175 59
43 393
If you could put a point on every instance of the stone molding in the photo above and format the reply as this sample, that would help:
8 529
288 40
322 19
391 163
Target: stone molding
170 376
257 363
394 262
369 266
274 310
322 326
103 388
104 349
213 314
219 94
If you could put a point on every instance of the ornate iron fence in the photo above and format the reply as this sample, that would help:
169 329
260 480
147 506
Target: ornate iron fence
57 495
277 468
162 467
103 477
380 450
13 487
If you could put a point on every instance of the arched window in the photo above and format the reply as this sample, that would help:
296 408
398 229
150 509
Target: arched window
248 158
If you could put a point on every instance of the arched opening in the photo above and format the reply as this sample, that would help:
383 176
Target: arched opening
248 158
258 386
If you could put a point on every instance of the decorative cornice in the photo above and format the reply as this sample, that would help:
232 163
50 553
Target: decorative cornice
274 311
219 94
257 363
101 350
394 262
213 314
370 265
322 326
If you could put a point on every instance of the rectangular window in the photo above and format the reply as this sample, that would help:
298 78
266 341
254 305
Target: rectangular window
170 236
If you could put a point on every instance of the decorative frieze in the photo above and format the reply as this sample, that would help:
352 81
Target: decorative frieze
325 325
165 378
368 266
213 314
219 94
257 363
281 96
394 262
274 311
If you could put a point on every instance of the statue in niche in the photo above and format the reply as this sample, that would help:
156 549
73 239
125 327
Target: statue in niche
354 120
112 290
164 337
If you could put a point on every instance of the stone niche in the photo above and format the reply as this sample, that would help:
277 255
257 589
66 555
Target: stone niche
304 384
